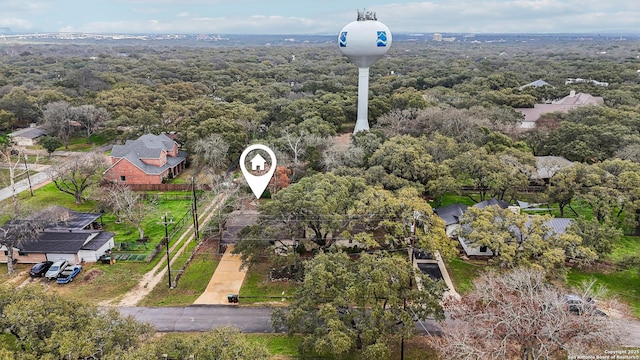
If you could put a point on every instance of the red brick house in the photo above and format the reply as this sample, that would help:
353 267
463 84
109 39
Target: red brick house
146 160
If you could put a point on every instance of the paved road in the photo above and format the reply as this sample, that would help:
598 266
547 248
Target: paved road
204 317
37 180
198 318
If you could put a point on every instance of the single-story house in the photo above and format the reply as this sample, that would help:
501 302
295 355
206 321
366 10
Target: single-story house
556 226
70 219
27 136
147 160
547 166
75 246
535 84
564 105
76 237
451 215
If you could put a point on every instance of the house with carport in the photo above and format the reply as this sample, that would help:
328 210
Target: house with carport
76 237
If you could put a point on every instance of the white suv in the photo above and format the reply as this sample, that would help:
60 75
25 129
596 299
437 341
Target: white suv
56 269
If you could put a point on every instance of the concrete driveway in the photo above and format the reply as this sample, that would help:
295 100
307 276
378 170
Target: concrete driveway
227 279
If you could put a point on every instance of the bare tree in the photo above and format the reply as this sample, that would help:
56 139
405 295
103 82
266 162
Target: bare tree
78 173
14 165
518 315
18 229
127 204
211 152
56 120
90 117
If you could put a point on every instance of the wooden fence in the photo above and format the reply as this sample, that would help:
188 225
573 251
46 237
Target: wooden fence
165 187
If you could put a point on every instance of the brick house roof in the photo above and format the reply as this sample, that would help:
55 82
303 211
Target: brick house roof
148 146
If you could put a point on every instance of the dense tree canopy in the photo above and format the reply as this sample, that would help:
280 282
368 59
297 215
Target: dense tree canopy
345 305
52 327
522 240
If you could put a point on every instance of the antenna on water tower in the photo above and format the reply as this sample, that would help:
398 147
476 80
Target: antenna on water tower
364 41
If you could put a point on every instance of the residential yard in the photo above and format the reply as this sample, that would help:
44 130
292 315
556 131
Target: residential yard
257 288
281 346
463 273
192 283
176 204
627 246
622 284
98 283
80 143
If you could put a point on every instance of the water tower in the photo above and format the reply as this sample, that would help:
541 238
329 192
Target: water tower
364 41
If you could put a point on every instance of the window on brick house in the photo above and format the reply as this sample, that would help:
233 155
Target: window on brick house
22 253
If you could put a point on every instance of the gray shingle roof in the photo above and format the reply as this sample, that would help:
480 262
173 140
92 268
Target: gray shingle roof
451 214
63 242
28 133
70 219
537 83
148 146
547 166
491 202
98 241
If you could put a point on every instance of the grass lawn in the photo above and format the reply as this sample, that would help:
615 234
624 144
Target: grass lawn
125 232
191 285
280 345
623 284
463 273
257 288
49 195
80 144
627 246
100 282
449 199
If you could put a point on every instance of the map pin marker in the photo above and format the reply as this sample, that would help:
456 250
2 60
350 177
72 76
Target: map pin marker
260 182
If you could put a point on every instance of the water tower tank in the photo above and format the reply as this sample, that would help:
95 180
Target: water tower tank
364 41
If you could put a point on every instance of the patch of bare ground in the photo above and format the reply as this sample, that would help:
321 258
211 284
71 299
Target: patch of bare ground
91 275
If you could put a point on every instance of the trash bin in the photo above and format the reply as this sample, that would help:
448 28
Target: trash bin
232 298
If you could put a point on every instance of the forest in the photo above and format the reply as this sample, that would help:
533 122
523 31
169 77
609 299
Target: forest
444 128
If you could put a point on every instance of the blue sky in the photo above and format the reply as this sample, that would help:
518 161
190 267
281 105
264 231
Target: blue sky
318 16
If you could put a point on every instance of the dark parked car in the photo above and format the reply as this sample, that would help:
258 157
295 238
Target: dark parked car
580 306
40 268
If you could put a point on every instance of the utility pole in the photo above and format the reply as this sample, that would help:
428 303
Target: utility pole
166 238
194 209
26 168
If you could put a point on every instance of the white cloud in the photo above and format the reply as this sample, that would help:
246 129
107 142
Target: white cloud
15 23
149 10
540 16
507 16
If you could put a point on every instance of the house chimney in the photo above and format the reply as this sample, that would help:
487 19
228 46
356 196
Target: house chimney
572 93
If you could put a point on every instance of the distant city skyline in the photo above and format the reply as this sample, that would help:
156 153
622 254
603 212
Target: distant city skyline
317 17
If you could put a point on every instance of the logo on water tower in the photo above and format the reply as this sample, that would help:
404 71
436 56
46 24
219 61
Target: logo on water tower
382 38
343 39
